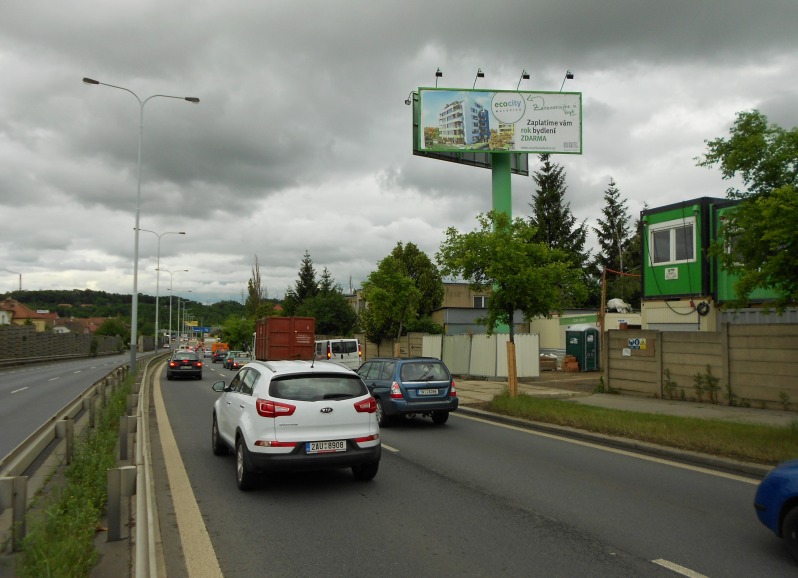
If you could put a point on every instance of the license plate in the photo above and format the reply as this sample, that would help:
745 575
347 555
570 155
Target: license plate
427 392
325 447
186 367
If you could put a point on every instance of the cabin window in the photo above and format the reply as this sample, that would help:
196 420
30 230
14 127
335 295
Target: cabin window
672 242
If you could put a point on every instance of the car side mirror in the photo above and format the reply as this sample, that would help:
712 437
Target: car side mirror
219 386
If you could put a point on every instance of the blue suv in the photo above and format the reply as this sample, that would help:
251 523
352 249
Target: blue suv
414 386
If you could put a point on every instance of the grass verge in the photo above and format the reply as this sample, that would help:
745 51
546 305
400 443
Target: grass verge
61 529
746 442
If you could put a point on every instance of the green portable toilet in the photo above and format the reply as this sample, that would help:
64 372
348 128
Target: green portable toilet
583 342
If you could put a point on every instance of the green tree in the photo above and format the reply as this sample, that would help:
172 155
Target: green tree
305 287
115 326
392 298
615 242
333 313
763 155
763 247
759 239
556 227
237 331
256 292
524 274
425 275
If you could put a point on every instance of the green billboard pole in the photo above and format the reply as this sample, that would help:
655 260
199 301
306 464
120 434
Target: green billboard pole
501 187
502 197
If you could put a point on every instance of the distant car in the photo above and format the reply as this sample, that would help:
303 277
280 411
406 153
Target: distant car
239 361
413 386
776 503
229 357
184 364
296 415
219 355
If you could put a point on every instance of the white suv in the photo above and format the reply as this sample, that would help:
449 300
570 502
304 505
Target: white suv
296 415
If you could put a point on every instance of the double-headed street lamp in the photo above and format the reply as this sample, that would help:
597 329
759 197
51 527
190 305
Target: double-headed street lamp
135 307
171 276
158 274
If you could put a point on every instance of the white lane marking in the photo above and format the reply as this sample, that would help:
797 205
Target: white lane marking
737 478
200 557
54 378
678 569
390 449
20 389
78 371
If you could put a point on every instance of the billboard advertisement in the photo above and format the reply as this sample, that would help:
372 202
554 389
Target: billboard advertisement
499 121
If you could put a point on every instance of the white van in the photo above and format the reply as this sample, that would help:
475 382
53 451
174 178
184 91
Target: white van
345 352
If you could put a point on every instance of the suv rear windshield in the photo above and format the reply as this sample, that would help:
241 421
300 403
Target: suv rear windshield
317 387
424 371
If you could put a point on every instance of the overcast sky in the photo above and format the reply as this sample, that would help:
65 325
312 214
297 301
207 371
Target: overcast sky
302 140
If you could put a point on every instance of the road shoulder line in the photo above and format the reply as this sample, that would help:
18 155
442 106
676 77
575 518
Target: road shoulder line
199 555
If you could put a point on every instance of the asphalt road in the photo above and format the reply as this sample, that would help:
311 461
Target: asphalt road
32 394
471 498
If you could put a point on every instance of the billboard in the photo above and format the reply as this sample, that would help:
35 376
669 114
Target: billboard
519 162
499 121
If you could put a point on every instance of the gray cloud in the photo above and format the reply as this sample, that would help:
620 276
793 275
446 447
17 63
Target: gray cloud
302 141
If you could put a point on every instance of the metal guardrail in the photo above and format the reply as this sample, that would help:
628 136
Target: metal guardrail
26 469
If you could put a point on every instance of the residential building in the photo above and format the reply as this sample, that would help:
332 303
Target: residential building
464 122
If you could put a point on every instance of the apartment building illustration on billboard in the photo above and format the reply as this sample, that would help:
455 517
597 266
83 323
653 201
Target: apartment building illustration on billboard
464 122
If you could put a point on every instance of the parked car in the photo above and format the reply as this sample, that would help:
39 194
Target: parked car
414 386
296 415
228 359
184 364
240 361
776 503
219 355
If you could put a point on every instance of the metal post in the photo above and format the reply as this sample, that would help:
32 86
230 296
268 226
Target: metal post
135 305
121 485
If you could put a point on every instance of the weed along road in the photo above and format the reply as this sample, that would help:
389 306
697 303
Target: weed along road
468 498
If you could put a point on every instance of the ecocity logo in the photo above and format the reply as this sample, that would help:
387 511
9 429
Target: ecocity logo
508 107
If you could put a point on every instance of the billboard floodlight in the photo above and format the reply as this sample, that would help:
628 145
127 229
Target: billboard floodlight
438 74
409 99
524 76
568 76
480 74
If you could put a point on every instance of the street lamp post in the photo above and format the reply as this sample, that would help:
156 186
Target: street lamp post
171 276
181 329
158 274
135 306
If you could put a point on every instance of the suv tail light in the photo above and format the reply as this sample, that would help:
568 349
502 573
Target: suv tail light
366 406
268 408
359 351
453 390
396 391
